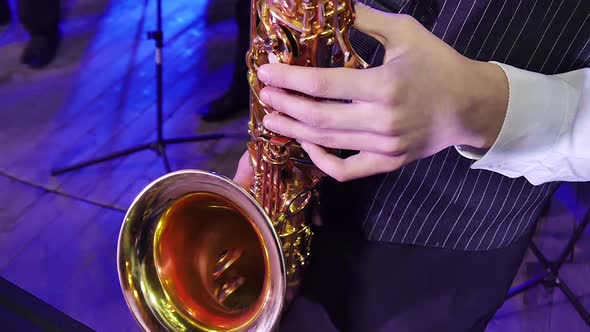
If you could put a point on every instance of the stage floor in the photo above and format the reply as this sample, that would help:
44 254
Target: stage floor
58 233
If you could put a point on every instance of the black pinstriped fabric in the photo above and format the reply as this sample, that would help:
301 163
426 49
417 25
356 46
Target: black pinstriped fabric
439 201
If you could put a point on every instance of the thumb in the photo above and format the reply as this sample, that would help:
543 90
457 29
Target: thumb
375 23
244 173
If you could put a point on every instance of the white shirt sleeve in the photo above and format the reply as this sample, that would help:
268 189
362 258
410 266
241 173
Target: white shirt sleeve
546 133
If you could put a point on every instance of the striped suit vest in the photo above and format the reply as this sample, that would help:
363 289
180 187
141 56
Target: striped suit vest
439 201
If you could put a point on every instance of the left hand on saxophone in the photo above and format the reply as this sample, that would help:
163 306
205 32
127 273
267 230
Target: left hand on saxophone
424 98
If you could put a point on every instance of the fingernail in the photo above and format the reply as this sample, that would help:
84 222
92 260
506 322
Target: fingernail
263 74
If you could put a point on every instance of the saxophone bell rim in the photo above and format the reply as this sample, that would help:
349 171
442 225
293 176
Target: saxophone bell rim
135 261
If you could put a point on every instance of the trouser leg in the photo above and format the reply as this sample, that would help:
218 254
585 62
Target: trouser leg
242 17
356 285
236 99
40 17
4 12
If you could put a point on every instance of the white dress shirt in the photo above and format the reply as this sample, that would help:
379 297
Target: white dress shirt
546 133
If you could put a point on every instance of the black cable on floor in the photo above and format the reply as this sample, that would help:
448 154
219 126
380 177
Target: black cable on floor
61 193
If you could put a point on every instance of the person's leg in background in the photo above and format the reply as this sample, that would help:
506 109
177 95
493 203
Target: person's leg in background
4 13
236 100
41 19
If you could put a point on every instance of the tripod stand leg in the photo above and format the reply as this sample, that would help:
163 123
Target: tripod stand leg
574 301
102 159
160 143
553 269
525 286
208 137
573 240
161 150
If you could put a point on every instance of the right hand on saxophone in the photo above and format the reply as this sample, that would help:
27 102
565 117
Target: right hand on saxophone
424 98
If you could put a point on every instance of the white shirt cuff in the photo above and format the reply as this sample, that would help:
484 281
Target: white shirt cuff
540 113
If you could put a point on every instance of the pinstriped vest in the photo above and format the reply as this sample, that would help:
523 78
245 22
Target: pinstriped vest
439 201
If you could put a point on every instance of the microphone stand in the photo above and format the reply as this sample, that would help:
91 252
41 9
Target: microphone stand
160 143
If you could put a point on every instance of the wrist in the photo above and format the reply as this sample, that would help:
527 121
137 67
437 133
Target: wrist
488 104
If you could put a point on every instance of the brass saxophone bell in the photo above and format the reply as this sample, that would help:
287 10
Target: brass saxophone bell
198 253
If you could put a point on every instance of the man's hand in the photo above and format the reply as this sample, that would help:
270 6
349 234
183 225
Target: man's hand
423 99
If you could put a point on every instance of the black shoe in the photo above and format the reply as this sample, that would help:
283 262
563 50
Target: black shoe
4 14
233 103
40 51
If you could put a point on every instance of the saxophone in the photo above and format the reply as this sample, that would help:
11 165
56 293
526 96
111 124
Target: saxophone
196 251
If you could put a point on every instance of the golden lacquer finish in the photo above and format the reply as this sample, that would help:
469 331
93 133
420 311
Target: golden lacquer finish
304 33
197 252
210 259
